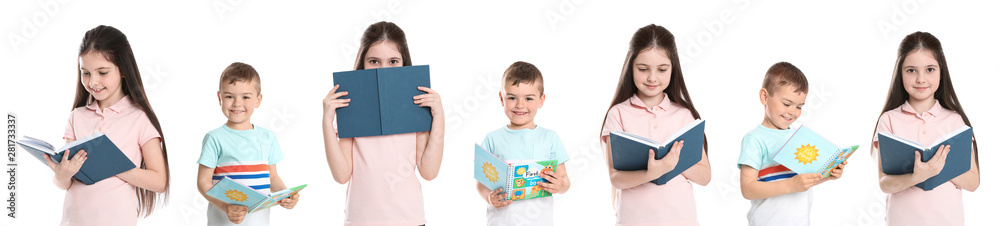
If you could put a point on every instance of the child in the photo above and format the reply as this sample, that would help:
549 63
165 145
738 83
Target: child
522 95
240 150
110 99
652 101
922 106
777 195
384 188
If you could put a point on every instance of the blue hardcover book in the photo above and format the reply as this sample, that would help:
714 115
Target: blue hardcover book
807 152
896 154
382 101
518 178
630 152
235 193
104 159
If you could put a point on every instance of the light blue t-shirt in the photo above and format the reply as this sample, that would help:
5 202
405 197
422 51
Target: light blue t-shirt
524 144
757 149
244 156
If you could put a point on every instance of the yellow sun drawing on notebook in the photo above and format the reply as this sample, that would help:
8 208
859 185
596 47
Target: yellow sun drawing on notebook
806 154
491 172
236 195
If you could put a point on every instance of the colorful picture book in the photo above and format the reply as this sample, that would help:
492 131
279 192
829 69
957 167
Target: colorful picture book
518 178
807 152
382 101
896 154
104 159
232 192
630 152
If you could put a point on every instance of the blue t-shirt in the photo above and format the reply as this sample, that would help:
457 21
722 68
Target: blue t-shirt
524 144
757 149
244 156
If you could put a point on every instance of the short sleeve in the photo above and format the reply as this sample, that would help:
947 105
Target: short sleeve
70 129
560 150
883 125
488 144
147 131
210 151
751 152
612 122
275 156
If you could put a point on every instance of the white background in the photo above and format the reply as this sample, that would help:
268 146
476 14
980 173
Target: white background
847 51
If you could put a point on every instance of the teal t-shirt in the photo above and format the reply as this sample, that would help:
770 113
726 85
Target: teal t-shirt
526 144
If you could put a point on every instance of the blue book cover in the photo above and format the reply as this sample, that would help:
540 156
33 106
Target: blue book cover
235 193
896 154
518 178
808 152
382 101
104 159
630 152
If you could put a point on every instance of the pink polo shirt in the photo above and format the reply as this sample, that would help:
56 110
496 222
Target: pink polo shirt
648 204
384 189
914 206
111 201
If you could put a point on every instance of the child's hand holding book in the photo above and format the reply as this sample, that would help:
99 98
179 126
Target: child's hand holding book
236 213
657 167
289 202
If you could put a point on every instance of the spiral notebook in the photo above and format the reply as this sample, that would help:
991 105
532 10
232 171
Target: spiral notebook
807 152
518 178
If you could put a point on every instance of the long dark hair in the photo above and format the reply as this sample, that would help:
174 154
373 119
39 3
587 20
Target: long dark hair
650 37
113 44
945 93
378 32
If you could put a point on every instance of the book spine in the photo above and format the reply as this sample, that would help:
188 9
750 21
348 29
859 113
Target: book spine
510 181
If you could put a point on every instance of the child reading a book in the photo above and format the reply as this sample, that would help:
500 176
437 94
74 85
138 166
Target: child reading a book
778 196
110 99
383 186
922 106
240 150
522 95
652 101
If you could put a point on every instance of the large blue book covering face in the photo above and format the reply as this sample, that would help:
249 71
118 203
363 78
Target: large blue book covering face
104 159
630 152
897 153
382 101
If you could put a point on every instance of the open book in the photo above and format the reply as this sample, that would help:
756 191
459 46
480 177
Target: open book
382 101
807 152
896 154
232 192
104 159
518 178
631 152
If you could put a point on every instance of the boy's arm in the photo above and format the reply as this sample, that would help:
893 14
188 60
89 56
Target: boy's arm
558 181
494 198
701 172
430 145
205 183
277 185
753 189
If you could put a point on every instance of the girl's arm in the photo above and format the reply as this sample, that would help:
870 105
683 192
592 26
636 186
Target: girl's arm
753 189
154 176
65 170
969 180
921 171
338 151
430 145
700 173
655 168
